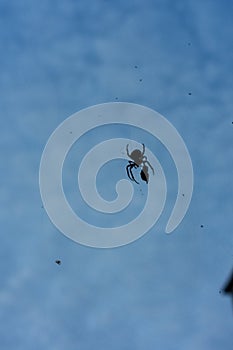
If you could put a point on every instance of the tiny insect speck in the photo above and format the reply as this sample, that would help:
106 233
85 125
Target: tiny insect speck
58 262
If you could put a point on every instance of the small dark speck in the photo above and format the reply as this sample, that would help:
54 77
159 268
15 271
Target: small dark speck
70 132
116 98
136 67
140 80
220 292
202 226
190 93
189 44
231 122
58 262
183 194
42 207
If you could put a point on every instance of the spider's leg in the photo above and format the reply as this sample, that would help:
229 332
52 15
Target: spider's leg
127 150
143 149
129 168
133 175
128 173
146 162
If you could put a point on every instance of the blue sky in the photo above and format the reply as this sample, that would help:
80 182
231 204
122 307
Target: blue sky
160 291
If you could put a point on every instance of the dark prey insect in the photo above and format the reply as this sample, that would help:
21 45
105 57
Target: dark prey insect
138 160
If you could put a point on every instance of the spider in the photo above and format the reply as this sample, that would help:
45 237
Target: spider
138 160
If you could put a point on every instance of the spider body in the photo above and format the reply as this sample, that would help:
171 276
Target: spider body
138 160
144 173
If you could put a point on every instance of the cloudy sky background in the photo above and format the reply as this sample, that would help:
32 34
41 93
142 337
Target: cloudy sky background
161 291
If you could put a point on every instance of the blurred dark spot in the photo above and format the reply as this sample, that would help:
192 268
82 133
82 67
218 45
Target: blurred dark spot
136 67
189 44
202 226
58 262
70 132
190 93
140 80
42 207
228 288
183 194
116 98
